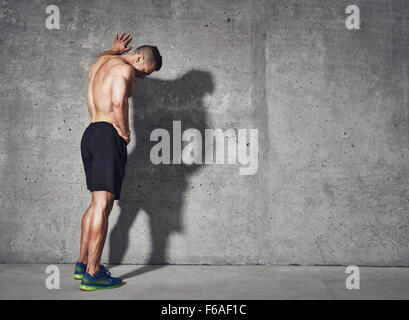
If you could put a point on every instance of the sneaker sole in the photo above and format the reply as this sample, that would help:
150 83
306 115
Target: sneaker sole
78 276
93 288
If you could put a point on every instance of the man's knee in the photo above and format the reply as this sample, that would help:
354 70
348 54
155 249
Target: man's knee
102 200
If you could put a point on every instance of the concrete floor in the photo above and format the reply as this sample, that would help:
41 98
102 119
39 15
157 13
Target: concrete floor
27 281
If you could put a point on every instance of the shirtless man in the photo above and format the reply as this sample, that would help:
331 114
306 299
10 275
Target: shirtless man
104 148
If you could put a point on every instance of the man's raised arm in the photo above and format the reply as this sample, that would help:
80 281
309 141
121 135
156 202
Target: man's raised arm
119 45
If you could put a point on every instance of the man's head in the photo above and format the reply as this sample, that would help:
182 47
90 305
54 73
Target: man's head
146 60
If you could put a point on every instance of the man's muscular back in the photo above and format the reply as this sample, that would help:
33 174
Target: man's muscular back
110 84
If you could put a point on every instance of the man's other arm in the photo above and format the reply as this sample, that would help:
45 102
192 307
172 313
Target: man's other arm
121 107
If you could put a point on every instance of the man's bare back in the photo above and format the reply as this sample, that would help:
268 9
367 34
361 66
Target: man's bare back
104 77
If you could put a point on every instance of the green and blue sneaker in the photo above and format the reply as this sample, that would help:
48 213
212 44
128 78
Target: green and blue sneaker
101 280
79 270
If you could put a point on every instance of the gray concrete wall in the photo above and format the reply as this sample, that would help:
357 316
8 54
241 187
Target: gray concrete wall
331 107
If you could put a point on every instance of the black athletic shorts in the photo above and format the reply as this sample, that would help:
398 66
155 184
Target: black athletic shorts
104 155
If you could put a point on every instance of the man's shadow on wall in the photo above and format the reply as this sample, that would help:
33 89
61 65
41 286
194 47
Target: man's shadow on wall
159 190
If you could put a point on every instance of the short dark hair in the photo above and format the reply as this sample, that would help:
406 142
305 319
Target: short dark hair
151 53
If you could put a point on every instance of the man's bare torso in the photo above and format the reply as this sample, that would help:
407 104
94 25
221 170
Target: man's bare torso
100 77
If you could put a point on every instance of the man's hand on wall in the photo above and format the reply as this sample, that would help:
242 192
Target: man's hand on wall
120 43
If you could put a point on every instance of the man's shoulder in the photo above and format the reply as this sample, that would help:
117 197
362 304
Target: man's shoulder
121 68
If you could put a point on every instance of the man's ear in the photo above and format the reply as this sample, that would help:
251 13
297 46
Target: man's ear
139 58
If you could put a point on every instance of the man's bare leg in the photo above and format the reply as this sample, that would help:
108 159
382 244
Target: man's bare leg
85 223
86 219
102 203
